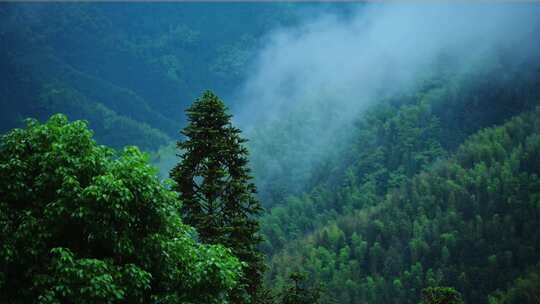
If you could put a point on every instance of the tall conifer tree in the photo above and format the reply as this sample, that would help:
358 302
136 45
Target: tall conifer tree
215 186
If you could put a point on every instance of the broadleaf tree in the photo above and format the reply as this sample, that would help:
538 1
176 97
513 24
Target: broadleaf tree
80 223
215 186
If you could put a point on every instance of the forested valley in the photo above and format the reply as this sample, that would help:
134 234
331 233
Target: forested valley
273 153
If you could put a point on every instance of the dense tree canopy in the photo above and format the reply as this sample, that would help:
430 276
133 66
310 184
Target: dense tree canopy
364 224
80 224
468 221
296 292
524 289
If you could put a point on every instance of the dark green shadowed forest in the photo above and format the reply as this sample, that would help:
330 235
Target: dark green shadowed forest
270 153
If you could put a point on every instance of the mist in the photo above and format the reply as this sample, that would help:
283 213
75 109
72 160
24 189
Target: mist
309 83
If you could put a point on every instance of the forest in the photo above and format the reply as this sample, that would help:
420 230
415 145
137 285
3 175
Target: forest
270 153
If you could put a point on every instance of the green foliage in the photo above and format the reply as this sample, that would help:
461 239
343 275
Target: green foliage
213 180
82 224
297 293
467 221
441 295
525 289
391 146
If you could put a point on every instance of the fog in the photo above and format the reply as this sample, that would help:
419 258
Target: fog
309 82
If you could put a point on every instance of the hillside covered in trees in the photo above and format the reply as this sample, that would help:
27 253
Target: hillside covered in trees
291 153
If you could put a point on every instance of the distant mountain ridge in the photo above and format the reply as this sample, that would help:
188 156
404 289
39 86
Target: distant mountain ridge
119 68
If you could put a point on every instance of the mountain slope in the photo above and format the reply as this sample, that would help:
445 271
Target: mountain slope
124 62
391 141
468 221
